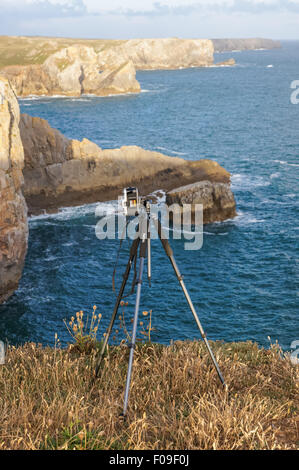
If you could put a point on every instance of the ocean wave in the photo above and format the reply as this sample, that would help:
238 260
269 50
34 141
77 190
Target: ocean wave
246 218
42 97
65 213
215 233
283 162
83 97
275 175
247 182
216 66
171 151
115 95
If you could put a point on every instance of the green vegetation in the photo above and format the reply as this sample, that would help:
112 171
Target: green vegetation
22 50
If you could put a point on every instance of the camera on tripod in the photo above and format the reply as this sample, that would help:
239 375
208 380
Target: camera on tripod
133 205
131 201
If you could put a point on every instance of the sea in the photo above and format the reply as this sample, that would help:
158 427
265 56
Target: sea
244 280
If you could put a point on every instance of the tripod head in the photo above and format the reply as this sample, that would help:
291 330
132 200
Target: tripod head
132 203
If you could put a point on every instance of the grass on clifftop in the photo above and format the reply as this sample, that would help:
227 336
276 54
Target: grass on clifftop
22 50
47 400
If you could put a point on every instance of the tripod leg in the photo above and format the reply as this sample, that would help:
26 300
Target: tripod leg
133 253
132 345
149 265
169 253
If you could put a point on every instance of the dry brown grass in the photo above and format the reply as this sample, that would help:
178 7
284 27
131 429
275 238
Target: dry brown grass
47 400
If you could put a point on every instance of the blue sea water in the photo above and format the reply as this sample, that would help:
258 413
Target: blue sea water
244 280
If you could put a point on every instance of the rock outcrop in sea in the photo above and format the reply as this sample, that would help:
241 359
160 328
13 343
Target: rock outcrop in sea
13 209
60 172
216 198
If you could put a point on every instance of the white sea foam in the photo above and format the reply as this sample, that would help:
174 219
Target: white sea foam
68 244
160 199
171 151
247 182
216 66
83 97
246 218
283 162
67 213
275 175
42 97
30 98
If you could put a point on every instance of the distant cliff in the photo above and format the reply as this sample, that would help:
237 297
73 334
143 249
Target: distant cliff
61 172
71 72
223 45
168 53
13 209
53 66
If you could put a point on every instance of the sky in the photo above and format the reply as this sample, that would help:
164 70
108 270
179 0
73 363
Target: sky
122 19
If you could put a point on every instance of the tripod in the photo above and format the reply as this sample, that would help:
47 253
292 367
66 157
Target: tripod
142 241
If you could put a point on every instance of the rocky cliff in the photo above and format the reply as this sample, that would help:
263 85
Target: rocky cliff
217 199
73 71
168 53
223 45
55 67
60 172
13 209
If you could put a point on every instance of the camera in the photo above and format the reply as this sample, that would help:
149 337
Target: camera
131 201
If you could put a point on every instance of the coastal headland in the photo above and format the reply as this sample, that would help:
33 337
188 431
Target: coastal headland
72 67
44 170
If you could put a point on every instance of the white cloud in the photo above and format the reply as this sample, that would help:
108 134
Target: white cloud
148 6
151 18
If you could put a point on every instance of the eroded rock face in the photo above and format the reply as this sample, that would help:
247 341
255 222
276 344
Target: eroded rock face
73 71
28 80
60 172
79 69
167 53
13 209
217 199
